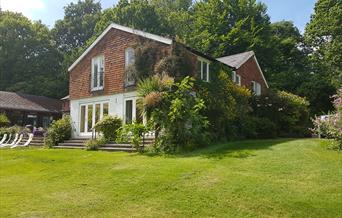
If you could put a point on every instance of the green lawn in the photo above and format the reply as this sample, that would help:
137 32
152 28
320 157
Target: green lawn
266 178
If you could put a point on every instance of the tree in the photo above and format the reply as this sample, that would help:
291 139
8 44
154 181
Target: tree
290 66
138 14
324 36
77 26
29 60
228 27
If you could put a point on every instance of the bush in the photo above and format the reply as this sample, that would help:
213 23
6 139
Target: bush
10 130
133 134
59 131
108 126
331 125
289 112
258 127
4 121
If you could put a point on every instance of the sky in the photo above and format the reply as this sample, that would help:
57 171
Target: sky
48 11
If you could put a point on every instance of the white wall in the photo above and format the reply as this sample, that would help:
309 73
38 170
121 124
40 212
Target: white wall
116 107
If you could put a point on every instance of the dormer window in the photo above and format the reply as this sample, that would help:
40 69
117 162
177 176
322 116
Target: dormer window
203 69
97 73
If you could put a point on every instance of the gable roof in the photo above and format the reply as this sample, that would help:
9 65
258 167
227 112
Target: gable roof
237 60
125 29
24 102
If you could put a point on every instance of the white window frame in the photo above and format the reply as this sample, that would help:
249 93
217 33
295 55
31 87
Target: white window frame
202 60
93 105
127 52
238 79
100 61
256 88
234 76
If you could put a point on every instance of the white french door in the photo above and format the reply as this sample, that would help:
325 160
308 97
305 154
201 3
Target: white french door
90 114
131 111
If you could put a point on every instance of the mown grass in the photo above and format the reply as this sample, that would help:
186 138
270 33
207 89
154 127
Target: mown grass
263 178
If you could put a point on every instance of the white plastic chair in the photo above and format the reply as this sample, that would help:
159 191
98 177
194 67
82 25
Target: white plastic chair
3 139
18 141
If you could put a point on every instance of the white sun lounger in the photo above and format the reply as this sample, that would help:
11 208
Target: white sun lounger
18 141
9 139
3 139
26 143
13 142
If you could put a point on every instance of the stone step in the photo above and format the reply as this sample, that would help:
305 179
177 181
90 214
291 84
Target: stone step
117 145
71 144
70 147
116 149
75 141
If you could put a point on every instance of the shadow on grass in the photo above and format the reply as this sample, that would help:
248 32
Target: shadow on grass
234 149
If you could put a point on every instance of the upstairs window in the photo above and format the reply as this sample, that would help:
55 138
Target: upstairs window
236 78
256 88
97 73
129 67
203 69
129 57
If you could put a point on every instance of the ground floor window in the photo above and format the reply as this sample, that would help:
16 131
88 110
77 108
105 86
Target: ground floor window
90 114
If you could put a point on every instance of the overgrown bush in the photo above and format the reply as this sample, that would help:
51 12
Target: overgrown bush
331 125
10 130
58 131
133 134
4 121
226 105
108 126
289 112
178 114
257 127
147 54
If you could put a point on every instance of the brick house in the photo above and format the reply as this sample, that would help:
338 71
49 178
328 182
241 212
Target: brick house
99 83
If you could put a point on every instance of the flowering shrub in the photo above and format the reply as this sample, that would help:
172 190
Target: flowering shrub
330 126
4 121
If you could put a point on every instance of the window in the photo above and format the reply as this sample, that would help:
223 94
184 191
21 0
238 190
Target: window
129 57
256 88
203 69
129 67
236 78
97 73
90 114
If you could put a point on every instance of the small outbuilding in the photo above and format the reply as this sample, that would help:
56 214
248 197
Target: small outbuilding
24 109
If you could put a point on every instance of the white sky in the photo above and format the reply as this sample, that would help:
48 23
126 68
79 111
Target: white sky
27 7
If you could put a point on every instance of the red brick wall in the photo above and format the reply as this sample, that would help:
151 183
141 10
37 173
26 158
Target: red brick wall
112 46
249 72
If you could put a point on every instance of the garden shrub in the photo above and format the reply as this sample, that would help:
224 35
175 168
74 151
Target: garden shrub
58 131
132 133
94 144
178 113
257 127
108 126
289 112
331 126
10 130
4 121
231 102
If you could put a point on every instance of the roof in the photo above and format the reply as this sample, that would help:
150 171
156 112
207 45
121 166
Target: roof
125 29
65 98
237 60
24 102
